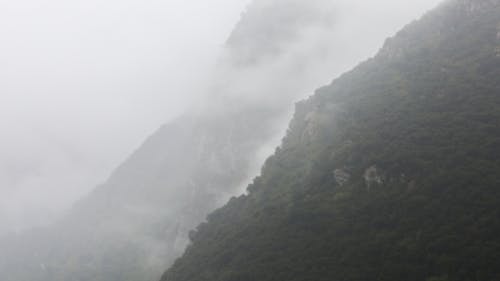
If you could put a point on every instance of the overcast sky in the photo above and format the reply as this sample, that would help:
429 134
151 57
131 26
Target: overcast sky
84 82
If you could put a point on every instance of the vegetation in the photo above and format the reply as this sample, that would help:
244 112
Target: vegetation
414 134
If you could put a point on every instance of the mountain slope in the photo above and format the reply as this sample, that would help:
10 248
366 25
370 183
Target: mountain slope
389 173
137 223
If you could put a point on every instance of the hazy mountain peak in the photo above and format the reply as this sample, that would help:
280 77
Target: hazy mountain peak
267 28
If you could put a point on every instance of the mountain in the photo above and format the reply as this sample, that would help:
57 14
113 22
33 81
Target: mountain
391 172
134 225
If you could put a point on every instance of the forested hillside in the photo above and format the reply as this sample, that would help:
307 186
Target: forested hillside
392 172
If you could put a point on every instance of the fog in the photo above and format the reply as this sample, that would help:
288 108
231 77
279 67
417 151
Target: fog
83 83
172 105
278 58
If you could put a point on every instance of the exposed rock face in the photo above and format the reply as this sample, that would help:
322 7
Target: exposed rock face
313 121
314 117
341 176
373 176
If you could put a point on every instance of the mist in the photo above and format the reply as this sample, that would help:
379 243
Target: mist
83 83
286 49
152 114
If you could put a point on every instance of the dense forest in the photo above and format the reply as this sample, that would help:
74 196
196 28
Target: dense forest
391 172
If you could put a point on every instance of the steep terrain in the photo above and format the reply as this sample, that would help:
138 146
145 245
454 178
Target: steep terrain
392 172
134 225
